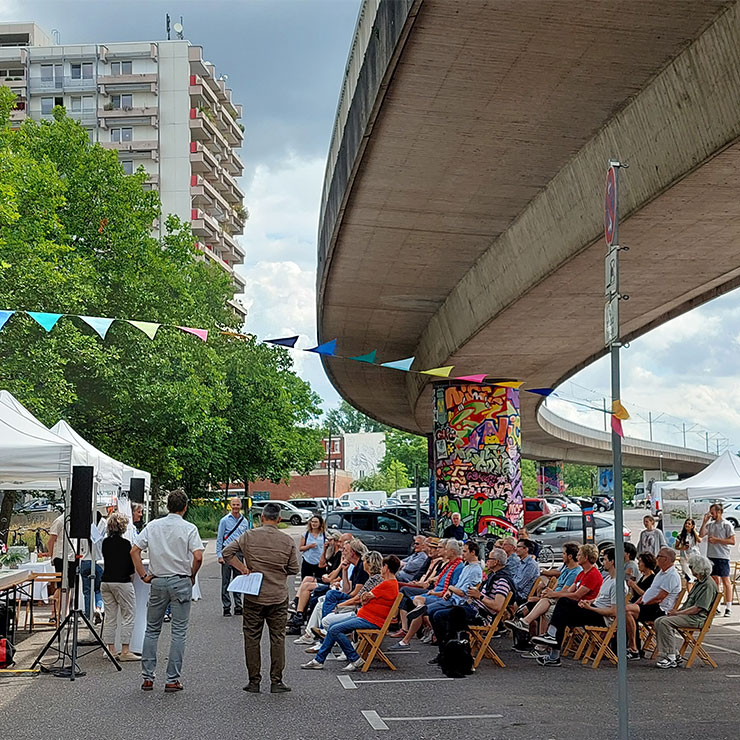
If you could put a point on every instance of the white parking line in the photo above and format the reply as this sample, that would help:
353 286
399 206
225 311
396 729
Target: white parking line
349 683
723 649
379 723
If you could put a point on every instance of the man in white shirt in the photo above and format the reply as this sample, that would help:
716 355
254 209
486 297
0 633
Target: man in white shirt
175 556
720 536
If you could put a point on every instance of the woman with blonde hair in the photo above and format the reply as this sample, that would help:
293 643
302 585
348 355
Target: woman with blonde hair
312 547
117 589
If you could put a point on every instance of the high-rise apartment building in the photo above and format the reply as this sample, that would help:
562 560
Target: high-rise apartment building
158 104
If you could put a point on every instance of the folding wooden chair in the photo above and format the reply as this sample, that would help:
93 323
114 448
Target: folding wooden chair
53 619
599 639
370 640
735 576
572 640
647 633
481 636
693 637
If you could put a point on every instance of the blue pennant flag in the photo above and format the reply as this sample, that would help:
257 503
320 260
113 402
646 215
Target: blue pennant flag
4 316
47 320
286 342
404 365
327 348
369 357
99 324
540 391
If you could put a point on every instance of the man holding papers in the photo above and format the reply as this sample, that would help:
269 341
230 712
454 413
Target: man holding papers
273 554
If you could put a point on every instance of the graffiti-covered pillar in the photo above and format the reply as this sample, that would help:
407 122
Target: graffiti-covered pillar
549 478
477 457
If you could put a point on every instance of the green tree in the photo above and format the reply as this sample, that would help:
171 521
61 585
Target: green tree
529 477
390 480
349 420
409 449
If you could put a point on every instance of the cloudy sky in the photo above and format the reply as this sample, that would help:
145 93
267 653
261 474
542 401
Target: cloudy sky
285 61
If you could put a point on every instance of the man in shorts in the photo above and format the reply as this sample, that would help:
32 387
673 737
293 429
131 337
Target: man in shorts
720 536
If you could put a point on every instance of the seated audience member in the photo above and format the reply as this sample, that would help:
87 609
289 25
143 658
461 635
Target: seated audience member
376 605
513 564
544 606
631 570
485 602
658 599
568 613
351 583
693 613
647 566
449 576
415 564
529 570
455 530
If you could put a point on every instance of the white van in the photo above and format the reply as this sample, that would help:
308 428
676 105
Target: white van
374 498
407 496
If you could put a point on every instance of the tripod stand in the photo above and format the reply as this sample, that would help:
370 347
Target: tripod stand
71 623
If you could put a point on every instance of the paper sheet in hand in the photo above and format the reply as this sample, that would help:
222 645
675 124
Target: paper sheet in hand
249 585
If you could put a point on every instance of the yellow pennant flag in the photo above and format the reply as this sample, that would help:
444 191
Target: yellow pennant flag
149 328
619 411
510 384
440 372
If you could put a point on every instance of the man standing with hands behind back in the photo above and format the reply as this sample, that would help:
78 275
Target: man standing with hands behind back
272 553
230 528
720 539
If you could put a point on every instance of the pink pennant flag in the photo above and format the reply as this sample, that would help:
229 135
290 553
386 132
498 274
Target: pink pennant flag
617 426
472 378
200 333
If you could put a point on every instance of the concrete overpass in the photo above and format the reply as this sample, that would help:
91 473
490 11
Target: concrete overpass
462 210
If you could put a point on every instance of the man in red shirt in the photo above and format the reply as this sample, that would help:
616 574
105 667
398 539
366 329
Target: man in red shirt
376 605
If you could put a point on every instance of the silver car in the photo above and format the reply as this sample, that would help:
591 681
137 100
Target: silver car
288 512
567 526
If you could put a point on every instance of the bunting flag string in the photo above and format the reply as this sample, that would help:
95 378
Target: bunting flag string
102 325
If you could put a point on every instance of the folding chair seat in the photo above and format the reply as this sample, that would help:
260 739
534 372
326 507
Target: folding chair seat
572 641
370 640
598 639
481 636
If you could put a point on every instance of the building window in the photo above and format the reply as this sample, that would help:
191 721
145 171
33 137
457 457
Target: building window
76 104
47 73
82 71
122 101
121 134
91 134
88 103
128 166
47 105
120 68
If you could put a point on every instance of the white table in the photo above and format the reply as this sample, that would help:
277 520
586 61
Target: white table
40 590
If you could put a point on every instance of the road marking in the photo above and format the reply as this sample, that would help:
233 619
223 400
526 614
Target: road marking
723 649
379 723
348 683
732 675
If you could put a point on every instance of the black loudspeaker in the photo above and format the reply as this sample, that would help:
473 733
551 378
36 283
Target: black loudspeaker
136 491
81 502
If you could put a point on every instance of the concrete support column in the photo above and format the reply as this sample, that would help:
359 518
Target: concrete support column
477 457
549 478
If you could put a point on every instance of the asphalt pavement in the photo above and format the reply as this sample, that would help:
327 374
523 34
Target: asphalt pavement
520 702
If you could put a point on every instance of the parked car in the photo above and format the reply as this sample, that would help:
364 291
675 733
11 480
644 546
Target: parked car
731 512
314 505
603 502
387 533
562 504
533 509
36 506
556 529
288 512
409 514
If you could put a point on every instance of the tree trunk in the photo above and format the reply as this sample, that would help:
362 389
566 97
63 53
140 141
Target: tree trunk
6 512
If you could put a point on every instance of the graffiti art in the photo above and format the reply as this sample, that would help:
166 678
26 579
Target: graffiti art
477 458
550 478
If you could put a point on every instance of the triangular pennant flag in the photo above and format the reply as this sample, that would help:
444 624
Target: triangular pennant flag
617 426
200 333
439 372
149 328
510 384
4 316
540 391
47 320
400 364
619 411
286 342
99 324
327 348
369 357
471 378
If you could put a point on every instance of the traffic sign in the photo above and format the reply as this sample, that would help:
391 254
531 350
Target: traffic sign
611 284
610 207
611 321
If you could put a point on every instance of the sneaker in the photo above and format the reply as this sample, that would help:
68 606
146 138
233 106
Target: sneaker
399 647
517 624
320 634
398 634
426 638
546 640
97 617
499 633
523 647
633 655
666 663
304 639
279 688
313 665
355 665
168 618
294 629
533 654
238 611
172 687
728 611
147 685
338 656
252 687
420 611
128 657
313 649
546 660
227 612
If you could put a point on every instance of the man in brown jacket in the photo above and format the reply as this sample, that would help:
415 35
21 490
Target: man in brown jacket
273 553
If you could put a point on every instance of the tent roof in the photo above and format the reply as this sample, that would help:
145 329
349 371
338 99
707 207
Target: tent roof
719 478
31 456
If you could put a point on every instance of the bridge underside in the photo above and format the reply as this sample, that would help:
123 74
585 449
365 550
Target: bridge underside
471 232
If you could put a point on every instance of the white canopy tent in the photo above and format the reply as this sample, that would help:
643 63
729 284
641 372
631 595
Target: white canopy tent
720 479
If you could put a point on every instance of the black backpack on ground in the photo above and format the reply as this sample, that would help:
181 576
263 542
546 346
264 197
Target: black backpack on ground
455 656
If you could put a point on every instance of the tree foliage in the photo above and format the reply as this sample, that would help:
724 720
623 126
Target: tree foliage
348 420
389 480
409 449
75 238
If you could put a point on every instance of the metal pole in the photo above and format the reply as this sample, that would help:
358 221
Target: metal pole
650 424
606 408
684 433
328 468
706 435
418 499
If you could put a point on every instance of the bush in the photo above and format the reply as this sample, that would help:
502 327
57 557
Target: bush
206 515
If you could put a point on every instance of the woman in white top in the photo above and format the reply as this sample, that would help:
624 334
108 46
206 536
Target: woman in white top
312 545
687 544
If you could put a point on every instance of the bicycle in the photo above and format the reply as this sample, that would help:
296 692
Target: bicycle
546 556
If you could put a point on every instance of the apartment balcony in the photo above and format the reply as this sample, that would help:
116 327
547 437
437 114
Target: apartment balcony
148 149
61 84
201 93
146 116
202 159
234 195
232 164
230 128
203 225
13 54
128 50
110 84
83 117
202 128
205 195
14 81
237 252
